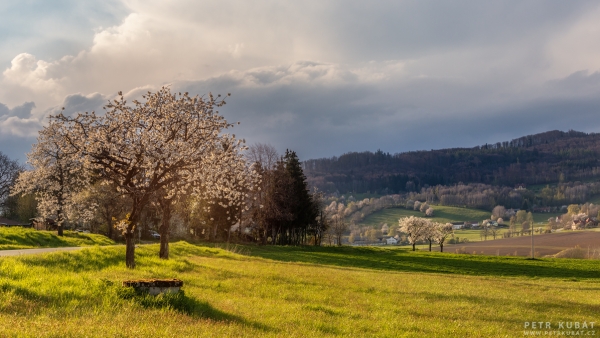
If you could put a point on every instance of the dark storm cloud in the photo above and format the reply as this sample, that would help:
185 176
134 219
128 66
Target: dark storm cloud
319 118
22 111
78 103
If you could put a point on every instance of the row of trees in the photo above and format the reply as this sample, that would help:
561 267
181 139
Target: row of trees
283 210
551 157
356 211
152 153
419 229
484 196
165 161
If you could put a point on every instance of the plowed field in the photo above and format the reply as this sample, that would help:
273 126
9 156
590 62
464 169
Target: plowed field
547 244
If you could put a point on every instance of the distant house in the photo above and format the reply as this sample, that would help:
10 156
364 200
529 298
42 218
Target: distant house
473 224
43 224
391 241
458 225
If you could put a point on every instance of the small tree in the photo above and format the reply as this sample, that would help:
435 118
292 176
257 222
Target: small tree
351 238
498 212
56 178
573 209
423 207
414 228
385 229
442 232
338 227
429 212
525 227
429 234
485 231
521 216
494 231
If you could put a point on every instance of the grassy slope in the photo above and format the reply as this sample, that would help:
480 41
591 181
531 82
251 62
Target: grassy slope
442 214
294 292
23 238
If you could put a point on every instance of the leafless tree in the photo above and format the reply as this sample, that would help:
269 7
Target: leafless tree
262 153
338 226
9 171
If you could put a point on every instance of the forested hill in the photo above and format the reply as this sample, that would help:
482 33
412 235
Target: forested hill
548 157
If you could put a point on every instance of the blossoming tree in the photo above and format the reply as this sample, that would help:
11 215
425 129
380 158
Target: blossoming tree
168 143
415 228
56 178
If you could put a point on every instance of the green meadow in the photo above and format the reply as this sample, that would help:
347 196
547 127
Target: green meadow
254 291
12 238
441 214
445 214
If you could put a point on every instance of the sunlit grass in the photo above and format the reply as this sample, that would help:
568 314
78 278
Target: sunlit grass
292 291
25 238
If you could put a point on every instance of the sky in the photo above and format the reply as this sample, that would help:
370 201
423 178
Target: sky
321 77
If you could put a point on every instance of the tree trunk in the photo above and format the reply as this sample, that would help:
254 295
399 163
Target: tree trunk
60 230
164 244
413 246
164 230
130 248
441 247
429 245
108 220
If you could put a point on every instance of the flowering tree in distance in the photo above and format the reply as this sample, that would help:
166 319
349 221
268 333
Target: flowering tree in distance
56 177
169 142
415 228
442 232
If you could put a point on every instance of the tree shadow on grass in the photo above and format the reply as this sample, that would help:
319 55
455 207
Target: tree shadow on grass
544 307
407 261
88 259
180 302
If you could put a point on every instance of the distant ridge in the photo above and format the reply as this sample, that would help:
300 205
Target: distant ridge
542 158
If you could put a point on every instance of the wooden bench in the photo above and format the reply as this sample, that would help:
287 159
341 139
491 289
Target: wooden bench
155 286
